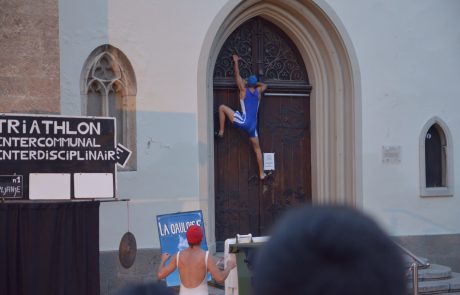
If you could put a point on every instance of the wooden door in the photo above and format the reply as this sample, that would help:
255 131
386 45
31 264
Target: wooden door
243 203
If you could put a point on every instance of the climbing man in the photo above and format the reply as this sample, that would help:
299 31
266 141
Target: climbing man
250 95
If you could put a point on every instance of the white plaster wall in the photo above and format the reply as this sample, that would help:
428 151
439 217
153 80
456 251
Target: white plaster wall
410 71
82 28
162 40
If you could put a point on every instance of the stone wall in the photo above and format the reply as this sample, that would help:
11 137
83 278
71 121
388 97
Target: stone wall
114 276
29 56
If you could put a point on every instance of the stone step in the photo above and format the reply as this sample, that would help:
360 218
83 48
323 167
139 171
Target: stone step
434 272
440 286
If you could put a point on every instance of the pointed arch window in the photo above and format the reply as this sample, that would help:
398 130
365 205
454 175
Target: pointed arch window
435 159
109 90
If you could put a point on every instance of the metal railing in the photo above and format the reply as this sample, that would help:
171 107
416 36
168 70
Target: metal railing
414 267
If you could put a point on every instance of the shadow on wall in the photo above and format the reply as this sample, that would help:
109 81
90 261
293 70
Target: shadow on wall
167 155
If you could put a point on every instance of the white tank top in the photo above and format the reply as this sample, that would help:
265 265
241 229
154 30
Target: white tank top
202 288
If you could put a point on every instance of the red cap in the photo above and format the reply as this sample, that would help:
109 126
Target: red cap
194 235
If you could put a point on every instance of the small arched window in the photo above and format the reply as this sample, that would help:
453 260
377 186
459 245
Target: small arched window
109 90
435 159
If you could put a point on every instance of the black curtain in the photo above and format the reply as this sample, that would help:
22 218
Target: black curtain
49 248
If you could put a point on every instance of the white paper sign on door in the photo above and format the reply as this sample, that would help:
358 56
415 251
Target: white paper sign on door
269 161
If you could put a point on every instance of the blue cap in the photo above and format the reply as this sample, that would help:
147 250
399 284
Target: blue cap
252 81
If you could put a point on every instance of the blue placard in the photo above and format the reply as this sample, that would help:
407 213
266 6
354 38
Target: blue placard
171 231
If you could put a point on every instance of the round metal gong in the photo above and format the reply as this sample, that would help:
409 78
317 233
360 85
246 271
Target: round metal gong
127 250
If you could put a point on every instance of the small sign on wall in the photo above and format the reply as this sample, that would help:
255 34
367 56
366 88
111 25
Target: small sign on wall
11 186
49 186
391 154
93 185
269 161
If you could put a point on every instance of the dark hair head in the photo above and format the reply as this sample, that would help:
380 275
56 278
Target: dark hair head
329 251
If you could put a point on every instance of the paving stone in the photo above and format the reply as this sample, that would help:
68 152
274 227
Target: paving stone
428 287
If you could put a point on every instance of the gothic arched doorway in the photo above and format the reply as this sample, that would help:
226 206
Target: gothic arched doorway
243 204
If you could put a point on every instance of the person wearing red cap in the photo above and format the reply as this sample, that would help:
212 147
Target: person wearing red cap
193 264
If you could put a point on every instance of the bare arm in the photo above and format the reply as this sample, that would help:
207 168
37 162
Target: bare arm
236 71
217 274
261 87
164 271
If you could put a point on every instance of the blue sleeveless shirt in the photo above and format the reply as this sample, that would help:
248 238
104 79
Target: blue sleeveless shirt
247 120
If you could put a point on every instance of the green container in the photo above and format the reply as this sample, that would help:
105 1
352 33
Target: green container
245 257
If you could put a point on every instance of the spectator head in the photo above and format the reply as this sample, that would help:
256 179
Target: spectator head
329 251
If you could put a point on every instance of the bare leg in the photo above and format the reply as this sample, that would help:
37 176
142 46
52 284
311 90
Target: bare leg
256 146
224 111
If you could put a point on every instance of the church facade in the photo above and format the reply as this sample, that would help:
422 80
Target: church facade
361 109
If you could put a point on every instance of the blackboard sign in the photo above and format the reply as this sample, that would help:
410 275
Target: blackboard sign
11 186
49 146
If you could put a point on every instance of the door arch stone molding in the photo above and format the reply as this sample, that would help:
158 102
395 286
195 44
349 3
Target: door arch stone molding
333 70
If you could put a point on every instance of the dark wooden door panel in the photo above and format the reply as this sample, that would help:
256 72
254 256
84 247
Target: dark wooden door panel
236 210
285 131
